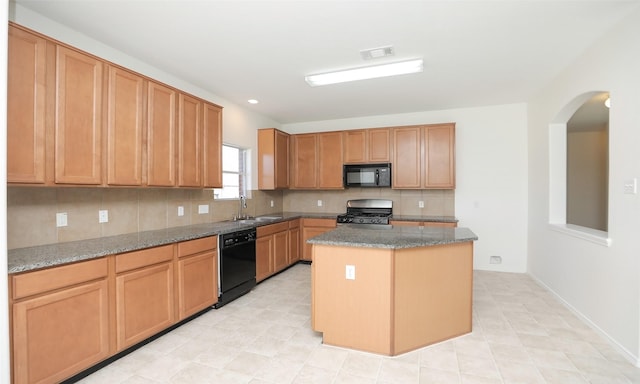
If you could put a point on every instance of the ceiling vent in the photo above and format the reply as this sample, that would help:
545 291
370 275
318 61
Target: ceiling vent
376 53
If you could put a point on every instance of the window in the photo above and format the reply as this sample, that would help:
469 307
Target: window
578 168
234 183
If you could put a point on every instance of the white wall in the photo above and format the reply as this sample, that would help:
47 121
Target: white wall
491 174
239 123
600 283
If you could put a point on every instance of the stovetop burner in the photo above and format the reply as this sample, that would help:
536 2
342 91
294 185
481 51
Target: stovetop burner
367 211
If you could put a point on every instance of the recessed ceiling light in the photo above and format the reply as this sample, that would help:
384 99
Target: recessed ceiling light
363 73
252 101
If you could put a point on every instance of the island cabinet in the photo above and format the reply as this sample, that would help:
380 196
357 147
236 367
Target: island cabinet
399 300
273 159
144 294
272 249
197 275
422 223
26 87
313 227
60 321
125 109
367 146
424 157
317 161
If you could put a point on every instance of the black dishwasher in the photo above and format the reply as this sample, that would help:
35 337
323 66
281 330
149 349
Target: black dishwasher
236 265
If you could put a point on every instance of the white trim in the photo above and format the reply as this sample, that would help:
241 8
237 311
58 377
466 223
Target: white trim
633 359
584 233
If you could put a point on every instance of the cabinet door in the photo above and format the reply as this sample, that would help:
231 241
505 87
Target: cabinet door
304 161
379 145
330 160
280 250
26 84
212 152
311 228
60 334
78 117
144 303
294 241
355 146
189 141
264 257
125 104
439 156
281 160
407 157
161 135
197 283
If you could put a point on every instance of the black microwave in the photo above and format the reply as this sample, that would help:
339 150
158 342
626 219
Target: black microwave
367 175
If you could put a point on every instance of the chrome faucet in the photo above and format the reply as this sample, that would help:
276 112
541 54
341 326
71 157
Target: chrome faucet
243 205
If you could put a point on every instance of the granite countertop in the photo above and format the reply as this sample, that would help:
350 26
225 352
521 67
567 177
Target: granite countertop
437 219
31 258
44 256
394 237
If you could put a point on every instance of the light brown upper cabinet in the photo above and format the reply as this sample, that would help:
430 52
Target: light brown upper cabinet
189 141
317 161
212 141
424 157
26 86
125 106
75 119
367 146
273 159
78 118
161 135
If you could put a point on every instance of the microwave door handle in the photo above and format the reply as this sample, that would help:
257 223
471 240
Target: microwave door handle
377 177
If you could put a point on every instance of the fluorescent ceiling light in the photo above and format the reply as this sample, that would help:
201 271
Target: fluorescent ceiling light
371 72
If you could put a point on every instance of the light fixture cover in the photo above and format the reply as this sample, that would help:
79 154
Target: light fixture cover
363 73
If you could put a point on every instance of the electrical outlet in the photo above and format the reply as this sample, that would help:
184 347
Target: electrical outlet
495 260
319 203
103 216
203 208
61 219
271 203
420 204
631 186
180 210
350 272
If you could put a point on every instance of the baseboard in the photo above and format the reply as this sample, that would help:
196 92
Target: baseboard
633 359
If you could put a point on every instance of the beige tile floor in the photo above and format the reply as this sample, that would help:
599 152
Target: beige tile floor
521 334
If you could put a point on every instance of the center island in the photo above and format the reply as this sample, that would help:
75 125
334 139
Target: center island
392 290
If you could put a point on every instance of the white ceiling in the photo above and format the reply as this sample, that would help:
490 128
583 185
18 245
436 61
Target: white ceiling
476 53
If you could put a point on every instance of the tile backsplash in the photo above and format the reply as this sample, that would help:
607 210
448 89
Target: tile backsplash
31 211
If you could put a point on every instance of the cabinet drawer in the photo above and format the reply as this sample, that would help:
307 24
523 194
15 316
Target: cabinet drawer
329 223
272 228
192 247
32 283
138 259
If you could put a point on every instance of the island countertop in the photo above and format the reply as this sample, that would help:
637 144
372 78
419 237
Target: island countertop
393 237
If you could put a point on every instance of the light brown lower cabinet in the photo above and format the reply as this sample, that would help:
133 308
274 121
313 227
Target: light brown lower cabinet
144 294
60 321
294 241
197 276
272 249
311 228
